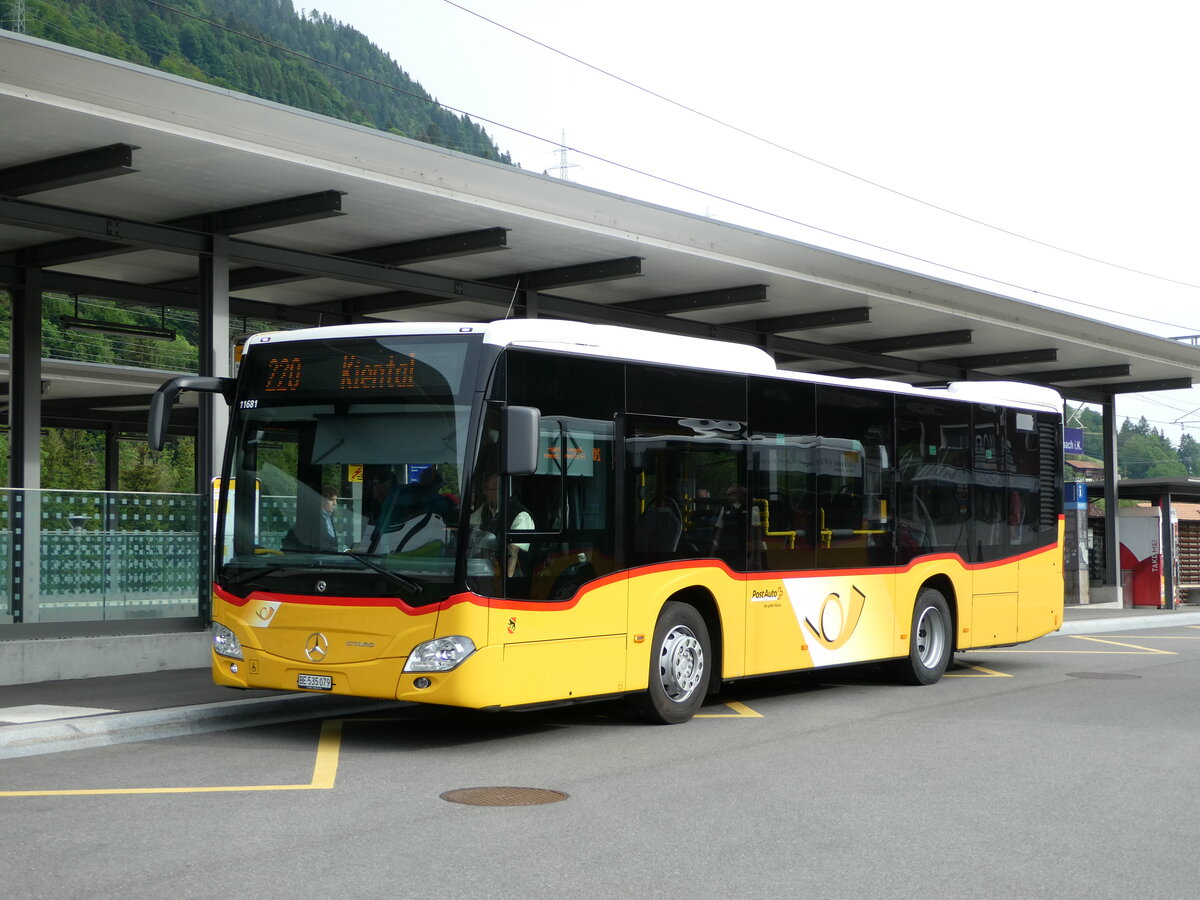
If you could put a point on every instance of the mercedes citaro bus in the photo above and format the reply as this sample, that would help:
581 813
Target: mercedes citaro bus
532 511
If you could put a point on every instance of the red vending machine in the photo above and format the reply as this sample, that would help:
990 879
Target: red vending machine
1142 560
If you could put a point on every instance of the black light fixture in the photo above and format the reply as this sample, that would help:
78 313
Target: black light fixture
120 329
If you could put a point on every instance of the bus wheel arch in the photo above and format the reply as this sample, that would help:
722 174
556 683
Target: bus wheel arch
706 605
945 586
931 636
683 659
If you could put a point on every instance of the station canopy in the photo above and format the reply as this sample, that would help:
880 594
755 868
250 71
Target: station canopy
116 181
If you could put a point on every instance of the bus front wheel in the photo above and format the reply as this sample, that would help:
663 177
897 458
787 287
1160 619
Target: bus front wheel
680 667
930 641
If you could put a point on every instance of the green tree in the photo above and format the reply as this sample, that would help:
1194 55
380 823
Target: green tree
1189 454
72 459
1147 455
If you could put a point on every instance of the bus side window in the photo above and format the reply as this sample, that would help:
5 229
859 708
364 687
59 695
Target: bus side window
933 461
991 502
569 499
852 462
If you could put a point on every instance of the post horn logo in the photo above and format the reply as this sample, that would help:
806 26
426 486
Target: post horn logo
316 646
837 623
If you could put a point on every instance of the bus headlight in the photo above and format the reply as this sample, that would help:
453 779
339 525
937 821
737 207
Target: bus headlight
226 643
440 654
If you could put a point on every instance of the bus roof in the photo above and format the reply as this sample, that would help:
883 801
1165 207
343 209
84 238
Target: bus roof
637 345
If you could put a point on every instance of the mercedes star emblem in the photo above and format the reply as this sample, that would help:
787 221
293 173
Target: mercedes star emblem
316 647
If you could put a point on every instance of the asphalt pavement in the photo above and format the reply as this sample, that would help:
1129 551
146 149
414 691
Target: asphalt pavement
53 716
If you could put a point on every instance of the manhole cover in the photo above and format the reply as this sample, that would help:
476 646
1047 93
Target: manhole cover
503 796
1112 676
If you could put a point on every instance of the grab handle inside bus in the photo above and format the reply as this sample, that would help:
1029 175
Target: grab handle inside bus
164 398
522 427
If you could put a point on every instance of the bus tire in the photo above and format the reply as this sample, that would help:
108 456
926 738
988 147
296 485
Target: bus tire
680 667
930 641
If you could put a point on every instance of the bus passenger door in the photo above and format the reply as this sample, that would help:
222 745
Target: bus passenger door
995 570
687 519
563 622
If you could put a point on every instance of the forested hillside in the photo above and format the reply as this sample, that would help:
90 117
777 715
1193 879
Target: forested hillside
264 48
1142 450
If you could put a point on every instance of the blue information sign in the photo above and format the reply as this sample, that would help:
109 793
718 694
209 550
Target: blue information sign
1072 440
1075 495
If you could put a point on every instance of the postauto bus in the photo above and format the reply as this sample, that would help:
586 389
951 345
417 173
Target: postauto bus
531 512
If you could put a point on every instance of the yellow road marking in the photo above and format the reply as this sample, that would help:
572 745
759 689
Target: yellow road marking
1081 637
324 773
740 711
1152 637
329 746
984 672
1133 649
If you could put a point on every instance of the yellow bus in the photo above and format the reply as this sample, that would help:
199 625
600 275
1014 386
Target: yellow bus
533 512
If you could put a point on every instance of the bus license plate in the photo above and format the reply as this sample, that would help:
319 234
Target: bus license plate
315 682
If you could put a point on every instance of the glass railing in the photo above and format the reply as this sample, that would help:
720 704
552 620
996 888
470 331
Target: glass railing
100 555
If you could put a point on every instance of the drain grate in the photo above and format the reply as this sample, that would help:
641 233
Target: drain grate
503 796
1110 676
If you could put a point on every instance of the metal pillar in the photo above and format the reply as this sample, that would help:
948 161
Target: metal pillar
112 460
1168 552
213 421
1112 537
25 445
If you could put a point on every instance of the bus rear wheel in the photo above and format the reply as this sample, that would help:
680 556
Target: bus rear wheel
930 641
680 667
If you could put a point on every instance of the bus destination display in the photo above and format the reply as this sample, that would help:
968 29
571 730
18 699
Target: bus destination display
366 369
285 374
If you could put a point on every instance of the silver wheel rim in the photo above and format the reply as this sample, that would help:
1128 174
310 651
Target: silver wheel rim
930 637
680 663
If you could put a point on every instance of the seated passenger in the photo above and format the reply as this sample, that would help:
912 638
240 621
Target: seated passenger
487 517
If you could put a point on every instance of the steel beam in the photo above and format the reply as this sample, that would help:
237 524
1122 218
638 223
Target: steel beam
446 246
862 372
239 220
107 403
826 318
677 303
269 214
1137 387
104 228
67 170
398 254
910 341
800 349
998 360
571 276
1084 373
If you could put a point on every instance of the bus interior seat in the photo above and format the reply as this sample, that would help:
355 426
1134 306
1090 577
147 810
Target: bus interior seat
660 527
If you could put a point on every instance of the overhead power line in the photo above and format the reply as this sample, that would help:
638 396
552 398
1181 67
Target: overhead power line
792 151
699 191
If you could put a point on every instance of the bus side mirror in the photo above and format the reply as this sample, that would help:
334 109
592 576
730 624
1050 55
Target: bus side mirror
521 426
164 399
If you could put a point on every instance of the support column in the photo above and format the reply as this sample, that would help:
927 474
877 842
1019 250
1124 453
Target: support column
1112 537
25 446
1168 552
213 420
112 460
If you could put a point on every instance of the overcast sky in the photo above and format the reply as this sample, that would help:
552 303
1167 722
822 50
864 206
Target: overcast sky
864 127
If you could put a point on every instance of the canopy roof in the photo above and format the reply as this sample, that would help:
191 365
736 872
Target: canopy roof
116 179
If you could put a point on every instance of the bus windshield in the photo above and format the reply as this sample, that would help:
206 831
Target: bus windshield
345 471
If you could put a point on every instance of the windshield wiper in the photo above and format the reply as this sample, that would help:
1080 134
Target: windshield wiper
402 580
249 575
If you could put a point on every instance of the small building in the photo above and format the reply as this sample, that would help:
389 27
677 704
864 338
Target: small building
1086 470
